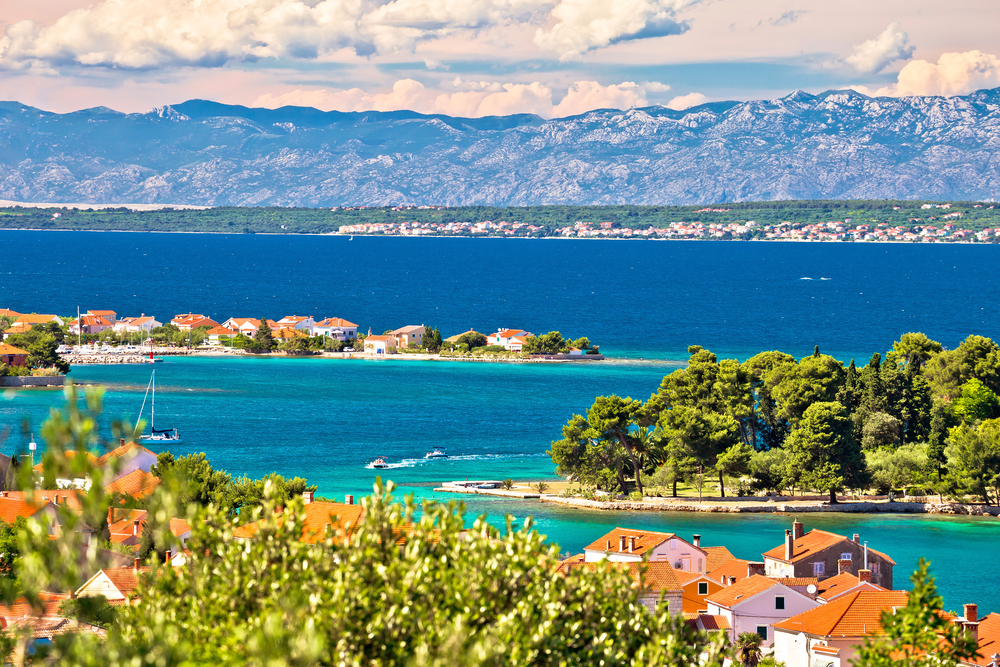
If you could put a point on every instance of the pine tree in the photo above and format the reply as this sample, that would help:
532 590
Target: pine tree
262 340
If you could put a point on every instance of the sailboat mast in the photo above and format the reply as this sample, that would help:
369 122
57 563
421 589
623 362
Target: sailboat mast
152 413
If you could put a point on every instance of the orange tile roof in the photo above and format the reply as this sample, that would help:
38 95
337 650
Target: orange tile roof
717 557
68 497
288 332
853 615
378 338
686 577
713 621
989 639
733 568
220 331
797 581
18 327
179 527
645 540
124 521
812 542
658 576
12 508
125 579
319 516
137 484
837 584
741 591
21 606
336 322
121 451
7 312
102 313
69 454
35 318
51 626
10 349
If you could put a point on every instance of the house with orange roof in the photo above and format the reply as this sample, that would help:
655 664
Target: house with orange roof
7 312
59 497
34 318
16 328
137 484
13 356
33 507
109 315
652 580
831 634
756 604
126 525
191 321
322 520
735 570
245 325
630 545
117 584
286 333
987 634
216 334
695 588
137 324
337 328
299 322
505 338
380 345
818 554
125 459
89 324
844 583
411 334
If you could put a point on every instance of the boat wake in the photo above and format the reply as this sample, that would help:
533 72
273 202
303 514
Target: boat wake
413 463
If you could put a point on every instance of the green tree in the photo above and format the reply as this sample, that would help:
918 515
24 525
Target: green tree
896 469
976 402
262 340
977 357
881 430
823 452
919 634
937 439
796 387
432 339
472 339
748 649
699 436
768 428
974 458
734 462
10 548
550 343
769 469
914 349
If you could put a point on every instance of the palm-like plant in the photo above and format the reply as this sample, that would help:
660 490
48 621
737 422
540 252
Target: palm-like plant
508 484
748 648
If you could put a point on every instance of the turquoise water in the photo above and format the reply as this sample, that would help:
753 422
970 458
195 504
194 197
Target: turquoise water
643 302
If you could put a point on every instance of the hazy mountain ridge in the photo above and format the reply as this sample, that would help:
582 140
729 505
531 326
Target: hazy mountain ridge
836 145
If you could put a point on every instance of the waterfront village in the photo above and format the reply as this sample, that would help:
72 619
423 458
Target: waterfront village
812 599
100 332
929 229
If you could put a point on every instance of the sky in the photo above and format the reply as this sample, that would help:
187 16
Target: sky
476 58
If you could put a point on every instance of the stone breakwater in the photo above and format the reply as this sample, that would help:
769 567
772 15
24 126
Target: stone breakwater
79 359
864 507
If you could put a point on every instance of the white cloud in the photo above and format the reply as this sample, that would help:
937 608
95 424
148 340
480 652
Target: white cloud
877 53
146 34
584 96
682 102
583 25
478 99
654 87
953 74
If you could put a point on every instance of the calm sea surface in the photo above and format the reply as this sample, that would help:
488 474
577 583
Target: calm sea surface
643 302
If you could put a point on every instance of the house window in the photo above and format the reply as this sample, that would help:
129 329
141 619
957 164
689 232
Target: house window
874 567
819 568
779 601
762 631
845 556
673 544
702 588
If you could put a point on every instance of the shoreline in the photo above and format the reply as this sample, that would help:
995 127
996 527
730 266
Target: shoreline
741 506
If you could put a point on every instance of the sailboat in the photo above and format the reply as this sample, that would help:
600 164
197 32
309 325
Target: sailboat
156 437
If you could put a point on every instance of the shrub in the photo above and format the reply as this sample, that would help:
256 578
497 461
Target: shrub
541 487
507 484
636 495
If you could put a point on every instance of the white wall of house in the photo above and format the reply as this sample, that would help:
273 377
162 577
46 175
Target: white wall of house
795 649
681 554
136 459
761 611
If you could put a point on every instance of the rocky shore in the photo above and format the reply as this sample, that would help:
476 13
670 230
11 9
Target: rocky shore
738 507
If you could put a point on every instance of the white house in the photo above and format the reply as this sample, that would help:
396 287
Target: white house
337 328
216 333
134 324
116 584
245 325
127 458
380 345
509 338
831 634
410 334
628 545
90 324
755 604
300 322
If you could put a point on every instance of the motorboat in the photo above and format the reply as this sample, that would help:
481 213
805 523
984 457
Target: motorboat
437 453
164 436
379 462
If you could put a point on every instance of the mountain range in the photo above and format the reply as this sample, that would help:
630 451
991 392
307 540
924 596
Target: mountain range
836 145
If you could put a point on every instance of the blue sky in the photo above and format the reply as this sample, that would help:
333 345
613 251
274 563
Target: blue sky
484 57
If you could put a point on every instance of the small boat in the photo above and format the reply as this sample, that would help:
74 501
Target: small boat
164 436
379 462
437 453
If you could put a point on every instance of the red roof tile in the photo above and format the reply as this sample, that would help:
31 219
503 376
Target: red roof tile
713 621
811 543
657 577
853 615
319 517
717 557
644 540
137 484
741 591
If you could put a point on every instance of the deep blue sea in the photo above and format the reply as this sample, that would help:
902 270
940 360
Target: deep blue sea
643 302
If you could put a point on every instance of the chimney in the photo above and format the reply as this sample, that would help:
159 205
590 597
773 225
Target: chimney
696 540
135 563
798 530
111 515
857 538
865 575
348 500
971 611
3 623
755 568
732 580
972 630
844 565
607 547
121 442
621 543
135 528
166 558
55 500
789 545
307 497
631 544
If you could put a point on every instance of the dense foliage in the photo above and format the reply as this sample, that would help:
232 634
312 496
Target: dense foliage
308 220
924 417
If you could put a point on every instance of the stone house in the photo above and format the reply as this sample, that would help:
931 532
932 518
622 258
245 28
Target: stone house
821 554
